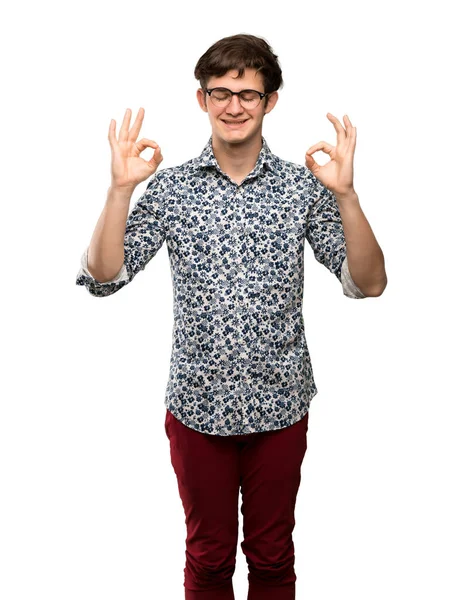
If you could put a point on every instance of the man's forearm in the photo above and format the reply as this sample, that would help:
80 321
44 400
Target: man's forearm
106 250
364 255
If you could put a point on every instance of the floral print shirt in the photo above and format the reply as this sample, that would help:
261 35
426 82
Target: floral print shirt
240 362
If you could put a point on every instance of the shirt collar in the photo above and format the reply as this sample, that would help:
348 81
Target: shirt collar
265 157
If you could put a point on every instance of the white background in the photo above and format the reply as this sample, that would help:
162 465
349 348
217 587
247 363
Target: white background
89 504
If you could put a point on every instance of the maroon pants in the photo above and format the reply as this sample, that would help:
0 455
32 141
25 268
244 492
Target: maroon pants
210 470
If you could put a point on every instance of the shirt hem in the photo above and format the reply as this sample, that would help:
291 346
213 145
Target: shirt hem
302 406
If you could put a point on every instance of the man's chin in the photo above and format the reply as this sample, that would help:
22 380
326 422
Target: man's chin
233 137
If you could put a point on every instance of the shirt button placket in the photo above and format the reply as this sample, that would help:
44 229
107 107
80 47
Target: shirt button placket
243 315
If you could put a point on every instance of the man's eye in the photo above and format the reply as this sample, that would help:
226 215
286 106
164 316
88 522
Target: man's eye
249 96
221 95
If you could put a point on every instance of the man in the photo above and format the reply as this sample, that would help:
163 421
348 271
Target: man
235 220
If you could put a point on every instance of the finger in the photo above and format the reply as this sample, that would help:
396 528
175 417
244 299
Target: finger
328 148
310 161
311 164
352 132
134 131
144 143
341 133
123 133
112 135
352 127
348 124
157 157
347 121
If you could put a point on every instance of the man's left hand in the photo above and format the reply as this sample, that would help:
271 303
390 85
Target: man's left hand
337 174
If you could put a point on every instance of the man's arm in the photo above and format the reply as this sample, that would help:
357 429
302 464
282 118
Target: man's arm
336 192
106 250
325 234
364 255
125 248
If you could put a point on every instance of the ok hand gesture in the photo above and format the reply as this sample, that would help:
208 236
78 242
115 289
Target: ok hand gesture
337 174
128 169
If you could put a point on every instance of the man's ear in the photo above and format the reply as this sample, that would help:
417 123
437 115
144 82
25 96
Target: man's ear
273 99
201 99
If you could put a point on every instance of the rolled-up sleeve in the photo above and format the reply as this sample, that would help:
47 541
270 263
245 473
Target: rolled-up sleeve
145 233
325 234
349 287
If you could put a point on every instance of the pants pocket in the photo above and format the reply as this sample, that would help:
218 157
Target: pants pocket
166 422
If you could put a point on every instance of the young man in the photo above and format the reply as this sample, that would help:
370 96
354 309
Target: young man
235 220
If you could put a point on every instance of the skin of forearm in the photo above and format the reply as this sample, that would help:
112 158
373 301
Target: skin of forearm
106 249
365 257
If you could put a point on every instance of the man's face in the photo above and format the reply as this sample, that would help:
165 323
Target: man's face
224 120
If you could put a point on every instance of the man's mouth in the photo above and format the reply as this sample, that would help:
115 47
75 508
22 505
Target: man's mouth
234 123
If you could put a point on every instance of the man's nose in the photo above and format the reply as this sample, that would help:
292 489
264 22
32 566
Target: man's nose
235 106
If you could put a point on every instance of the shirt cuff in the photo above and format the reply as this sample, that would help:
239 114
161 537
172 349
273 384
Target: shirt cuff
122 275
349 287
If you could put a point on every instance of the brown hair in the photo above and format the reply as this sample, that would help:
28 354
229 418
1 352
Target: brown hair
239 52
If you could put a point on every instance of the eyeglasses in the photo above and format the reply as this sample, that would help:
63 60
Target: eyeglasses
248 98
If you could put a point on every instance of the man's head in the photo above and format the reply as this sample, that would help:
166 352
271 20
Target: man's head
237 63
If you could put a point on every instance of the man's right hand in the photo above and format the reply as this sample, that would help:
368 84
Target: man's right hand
128 169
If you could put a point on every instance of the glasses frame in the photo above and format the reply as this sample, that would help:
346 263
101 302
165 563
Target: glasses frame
261 94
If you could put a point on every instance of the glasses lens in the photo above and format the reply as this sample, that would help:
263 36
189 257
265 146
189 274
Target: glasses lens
250 99
220 97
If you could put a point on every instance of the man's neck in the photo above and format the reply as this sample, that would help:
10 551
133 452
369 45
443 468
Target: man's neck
237 160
